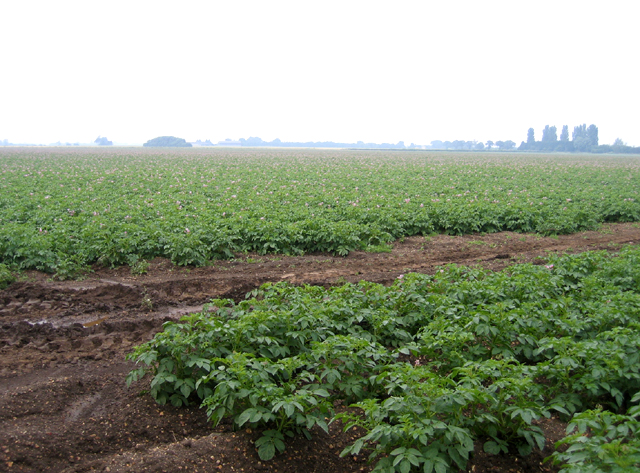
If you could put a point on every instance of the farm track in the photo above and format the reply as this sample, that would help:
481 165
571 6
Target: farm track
63 402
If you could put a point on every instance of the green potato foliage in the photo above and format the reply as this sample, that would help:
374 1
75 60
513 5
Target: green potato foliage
429 365
6 277
62 210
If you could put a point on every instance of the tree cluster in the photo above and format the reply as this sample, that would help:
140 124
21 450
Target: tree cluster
618 146
168 141
583 139
102 141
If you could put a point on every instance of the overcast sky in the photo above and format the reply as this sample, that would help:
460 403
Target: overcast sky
342 71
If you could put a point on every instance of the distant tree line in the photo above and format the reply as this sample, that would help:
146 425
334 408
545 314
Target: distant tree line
618 146
437 144
472 145
254 141
583 140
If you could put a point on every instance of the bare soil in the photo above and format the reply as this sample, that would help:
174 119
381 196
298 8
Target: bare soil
64 406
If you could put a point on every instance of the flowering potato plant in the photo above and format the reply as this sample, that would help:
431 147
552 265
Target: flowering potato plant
62 210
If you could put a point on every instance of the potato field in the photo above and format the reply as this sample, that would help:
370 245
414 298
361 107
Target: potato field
318 310
62 211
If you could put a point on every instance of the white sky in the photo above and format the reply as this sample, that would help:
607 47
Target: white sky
344 71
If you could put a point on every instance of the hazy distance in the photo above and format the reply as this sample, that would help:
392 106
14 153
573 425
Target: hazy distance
323 71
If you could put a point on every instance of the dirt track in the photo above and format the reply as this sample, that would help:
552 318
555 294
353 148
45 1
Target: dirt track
63 402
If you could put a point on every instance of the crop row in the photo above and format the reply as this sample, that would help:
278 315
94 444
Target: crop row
429 365
61 212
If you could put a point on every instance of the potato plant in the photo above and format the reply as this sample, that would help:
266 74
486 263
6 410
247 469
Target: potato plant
429 365
61 211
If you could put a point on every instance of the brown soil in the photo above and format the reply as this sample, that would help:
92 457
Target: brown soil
64 405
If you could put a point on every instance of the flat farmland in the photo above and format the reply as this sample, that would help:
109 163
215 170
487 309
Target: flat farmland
62 210
107 245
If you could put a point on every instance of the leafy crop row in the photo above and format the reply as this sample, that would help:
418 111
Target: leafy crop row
429 365
62 211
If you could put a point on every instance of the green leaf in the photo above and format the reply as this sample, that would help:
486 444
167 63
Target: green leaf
356 447
524 449
244 417
405 466
398 451
279 445
185 390
289 409
492 447
267 451
323 425
441 466
257 415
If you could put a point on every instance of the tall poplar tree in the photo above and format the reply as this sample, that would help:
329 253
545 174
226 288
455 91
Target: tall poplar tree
592 134
549 134
530 137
